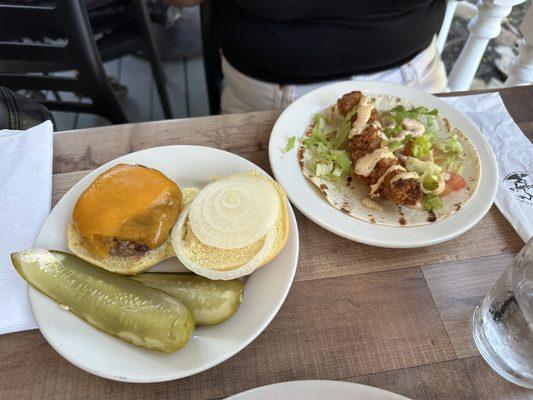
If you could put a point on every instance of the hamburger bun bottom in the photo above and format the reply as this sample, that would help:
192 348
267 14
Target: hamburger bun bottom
132 265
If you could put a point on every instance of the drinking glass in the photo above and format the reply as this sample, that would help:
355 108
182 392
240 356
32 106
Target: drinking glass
502 324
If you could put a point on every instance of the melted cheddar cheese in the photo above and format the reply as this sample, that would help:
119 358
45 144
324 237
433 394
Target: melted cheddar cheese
127 202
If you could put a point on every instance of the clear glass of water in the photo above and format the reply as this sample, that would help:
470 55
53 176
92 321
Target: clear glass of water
503 322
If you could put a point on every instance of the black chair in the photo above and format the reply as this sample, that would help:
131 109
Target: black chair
211 55
75 49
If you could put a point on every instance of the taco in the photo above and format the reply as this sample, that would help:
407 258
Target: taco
381 159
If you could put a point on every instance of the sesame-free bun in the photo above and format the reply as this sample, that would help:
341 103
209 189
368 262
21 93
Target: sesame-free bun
131 265
218 263
122 221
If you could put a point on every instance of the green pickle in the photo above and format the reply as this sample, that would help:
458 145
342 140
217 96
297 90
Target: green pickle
211 302
114 304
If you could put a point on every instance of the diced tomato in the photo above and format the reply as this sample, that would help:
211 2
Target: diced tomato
453 184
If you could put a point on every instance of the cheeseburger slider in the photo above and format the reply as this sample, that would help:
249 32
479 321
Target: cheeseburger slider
122 221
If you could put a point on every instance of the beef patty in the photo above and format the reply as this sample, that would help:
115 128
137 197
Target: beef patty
125 248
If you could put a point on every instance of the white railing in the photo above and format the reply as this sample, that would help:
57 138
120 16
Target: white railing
453 7
485 26
521 72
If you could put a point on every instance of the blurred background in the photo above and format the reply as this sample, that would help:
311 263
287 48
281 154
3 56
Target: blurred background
500 51
177 37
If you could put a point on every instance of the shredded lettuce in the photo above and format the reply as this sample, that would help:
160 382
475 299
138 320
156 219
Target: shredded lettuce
344 130
431 177
421 147
320 115
432 202
290 144
396 145
451 145
327 160
324 169
419 166
340 157
451 154
337 172
432 127
413 113
316 138
430 174
393 131
396 115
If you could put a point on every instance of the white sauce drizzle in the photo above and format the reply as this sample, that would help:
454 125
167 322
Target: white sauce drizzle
404 176
382 135
412 127
366 164
375 186
364 110
376 125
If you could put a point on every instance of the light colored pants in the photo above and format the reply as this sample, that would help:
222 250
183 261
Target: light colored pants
242 93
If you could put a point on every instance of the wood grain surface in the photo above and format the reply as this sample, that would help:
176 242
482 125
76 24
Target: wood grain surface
457 288
395 319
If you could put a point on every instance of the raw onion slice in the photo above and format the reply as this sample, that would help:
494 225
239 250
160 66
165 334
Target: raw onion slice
234 211
246 269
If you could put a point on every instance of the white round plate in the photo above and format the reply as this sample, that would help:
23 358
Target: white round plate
103 355
316 390
306 197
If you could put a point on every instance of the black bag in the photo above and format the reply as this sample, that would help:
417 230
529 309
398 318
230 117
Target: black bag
19 112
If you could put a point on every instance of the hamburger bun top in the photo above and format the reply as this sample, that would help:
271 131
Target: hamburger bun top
129 203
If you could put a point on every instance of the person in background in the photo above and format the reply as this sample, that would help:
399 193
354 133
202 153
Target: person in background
275 51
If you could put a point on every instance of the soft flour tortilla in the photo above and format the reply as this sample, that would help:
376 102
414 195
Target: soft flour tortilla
347 197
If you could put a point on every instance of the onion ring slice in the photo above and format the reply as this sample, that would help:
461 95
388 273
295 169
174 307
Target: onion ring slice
235 211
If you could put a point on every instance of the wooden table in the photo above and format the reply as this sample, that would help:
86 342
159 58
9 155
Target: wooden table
396 319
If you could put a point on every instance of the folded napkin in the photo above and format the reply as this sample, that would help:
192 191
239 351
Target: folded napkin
25 195
514 153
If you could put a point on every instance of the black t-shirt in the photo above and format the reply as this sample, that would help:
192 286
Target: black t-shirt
302 41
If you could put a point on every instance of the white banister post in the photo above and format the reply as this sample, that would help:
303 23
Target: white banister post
485 26
451 5
521 72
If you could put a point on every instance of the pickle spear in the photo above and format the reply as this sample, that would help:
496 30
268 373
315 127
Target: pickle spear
114 304
211 302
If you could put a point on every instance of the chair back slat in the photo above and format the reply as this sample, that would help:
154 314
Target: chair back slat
39 82
68 18
19 17
36 52
60 39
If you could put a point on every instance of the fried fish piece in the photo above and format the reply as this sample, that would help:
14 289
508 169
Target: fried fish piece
401 191
365 143
348 101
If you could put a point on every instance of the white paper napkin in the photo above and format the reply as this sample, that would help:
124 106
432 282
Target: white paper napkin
514 153
25 196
